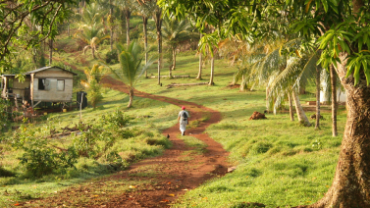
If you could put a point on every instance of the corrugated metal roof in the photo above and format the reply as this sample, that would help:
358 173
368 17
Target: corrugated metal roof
39 70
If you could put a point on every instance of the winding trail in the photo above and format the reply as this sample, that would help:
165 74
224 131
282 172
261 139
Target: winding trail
170 175
184 174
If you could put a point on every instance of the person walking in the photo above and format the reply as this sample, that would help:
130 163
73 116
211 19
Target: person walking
183 118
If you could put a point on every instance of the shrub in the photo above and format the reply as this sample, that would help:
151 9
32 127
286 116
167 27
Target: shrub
116 118
5 114
94 94
111 57
5 173
45 160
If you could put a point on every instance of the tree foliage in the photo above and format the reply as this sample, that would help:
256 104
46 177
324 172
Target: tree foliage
47 13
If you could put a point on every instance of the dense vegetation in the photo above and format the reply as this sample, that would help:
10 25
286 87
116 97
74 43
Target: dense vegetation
278 51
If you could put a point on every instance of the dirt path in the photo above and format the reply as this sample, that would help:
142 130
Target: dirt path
161 179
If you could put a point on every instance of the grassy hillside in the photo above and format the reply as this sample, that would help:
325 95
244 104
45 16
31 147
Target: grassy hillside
278 161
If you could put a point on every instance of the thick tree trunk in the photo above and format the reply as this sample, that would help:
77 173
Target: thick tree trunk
317 124
158 24
291 112
302 118
351 184
145 22
210 83
111 24
333 101
131 96
128 15
200 63
243 84
50 52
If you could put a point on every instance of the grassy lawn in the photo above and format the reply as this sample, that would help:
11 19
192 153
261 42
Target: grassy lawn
279 162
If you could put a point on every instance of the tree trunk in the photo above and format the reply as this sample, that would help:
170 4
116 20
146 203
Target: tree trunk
50 52
69 28
174 59
145 22
243 84
111 24
302 118
131 96
158 24
291 112
200 63
351 184
333 101
128 15
212 71
267 98
171 67
317 124
93 52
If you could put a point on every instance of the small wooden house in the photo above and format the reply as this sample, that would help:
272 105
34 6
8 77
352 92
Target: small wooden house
47 84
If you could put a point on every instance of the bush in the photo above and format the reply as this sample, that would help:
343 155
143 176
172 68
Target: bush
94 94
111 57
261 147
5 173
44 161
5 114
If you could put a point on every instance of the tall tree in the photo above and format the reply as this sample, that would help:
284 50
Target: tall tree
345 43
156 12
333 101
91 29
126 8
199 76
174 32
145 13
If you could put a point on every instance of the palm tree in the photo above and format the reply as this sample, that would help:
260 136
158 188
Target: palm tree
126 8
94 76
91 31
289 80
130 66
174 32
92 36
207 44
152 8
104 4
283 71
145 13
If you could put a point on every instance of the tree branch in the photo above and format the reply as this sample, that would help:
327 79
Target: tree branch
52 22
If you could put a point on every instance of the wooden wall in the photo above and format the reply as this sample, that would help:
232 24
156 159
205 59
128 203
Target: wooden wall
52 94
19 87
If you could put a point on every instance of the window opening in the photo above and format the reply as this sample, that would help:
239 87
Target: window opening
60 85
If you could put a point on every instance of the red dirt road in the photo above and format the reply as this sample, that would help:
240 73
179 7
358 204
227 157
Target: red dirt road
164 178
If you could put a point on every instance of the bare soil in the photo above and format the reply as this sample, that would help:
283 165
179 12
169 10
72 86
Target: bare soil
178 170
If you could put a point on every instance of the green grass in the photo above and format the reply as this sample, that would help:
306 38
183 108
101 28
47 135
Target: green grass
148 142
278 161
